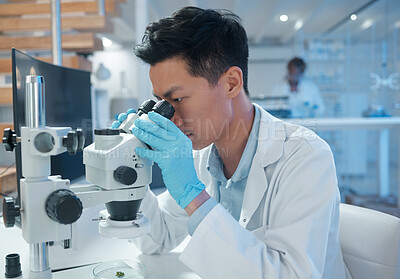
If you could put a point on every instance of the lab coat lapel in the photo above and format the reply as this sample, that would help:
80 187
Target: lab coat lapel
269 150
256 186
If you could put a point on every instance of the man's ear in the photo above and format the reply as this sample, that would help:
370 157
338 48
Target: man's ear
233 79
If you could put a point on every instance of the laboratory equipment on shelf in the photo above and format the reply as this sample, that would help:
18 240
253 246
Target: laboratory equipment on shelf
278 106
49 205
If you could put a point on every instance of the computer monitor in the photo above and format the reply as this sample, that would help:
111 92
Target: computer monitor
67 104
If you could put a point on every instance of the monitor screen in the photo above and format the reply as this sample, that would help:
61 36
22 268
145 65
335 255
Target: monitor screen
67 104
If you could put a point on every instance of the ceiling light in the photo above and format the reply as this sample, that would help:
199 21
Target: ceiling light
367 24
283 18
353 17
106 42
298 24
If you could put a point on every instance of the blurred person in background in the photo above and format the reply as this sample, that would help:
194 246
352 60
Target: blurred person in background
304 98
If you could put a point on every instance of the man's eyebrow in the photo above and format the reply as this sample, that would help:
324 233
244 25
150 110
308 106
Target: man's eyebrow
168 94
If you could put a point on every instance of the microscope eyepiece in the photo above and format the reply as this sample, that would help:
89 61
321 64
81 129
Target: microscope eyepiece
164 108
146 106
13 266
106 132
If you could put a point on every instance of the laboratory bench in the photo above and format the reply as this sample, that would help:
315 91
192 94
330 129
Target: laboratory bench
382 125
89 250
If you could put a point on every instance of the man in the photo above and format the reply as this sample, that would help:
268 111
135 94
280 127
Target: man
303 95
258 196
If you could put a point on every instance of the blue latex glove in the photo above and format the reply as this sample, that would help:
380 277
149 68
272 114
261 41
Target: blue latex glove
173 153
121 118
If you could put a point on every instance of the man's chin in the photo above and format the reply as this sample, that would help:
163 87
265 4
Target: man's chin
199 145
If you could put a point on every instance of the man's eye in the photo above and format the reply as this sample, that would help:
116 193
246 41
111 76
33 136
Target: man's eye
178 100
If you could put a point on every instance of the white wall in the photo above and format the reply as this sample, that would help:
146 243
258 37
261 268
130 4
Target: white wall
116 61
137 80
267 66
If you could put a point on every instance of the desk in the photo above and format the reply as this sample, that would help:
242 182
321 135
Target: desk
93 249
156 267
382 124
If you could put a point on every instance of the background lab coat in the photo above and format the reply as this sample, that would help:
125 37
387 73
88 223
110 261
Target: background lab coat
308 92
288 226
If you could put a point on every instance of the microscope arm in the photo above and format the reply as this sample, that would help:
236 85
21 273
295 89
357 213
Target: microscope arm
92 195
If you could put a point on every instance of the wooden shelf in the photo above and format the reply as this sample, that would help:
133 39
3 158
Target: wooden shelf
8 179
4 125
5 65
6 96
75 61
30 7
82 42
83 23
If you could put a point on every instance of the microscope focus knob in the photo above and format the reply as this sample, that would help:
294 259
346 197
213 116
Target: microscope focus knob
70 141
64 207
81 139
10 212
125 175
10 139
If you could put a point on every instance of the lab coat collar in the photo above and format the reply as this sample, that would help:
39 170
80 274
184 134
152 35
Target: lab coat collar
269 149
216 167
270 138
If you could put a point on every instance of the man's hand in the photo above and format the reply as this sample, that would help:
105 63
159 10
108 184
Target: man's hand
174 155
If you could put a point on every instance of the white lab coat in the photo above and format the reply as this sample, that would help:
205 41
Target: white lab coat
302 102
288 226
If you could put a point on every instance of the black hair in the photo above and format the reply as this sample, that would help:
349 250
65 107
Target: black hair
209 41
298 63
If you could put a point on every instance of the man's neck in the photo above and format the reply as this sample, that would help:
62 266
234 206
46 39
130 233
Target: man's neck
232 144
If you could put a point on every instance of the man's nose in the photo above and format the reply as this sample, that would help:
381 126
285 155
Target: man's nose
177 120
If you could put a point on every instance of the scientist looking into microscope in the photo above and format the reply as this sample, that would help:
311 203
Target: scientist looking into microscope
258 196
304 98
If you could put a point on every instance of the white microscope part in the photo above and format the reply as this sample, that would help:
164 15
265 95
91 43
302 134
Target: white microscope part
108 153
118 174
123 229
128 123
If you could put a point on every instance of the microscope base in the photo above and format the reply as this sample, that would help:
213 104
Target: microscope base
123 229
40 275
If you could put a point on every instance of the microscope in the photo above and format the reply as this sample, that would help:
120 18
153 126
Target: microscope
49 204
